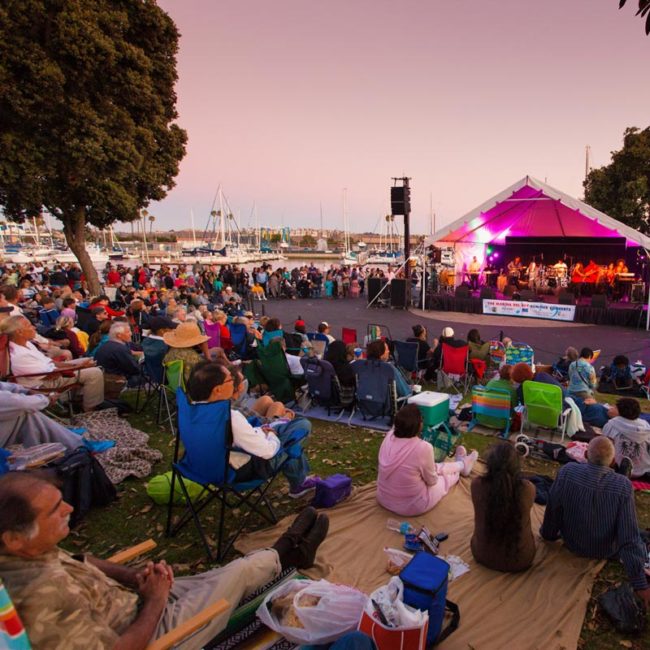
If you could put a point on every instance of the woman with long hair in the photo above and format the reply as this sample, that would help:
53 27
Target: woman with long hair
503 539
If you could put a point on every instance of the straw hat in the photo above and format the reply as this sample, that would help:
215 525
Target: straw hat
186 335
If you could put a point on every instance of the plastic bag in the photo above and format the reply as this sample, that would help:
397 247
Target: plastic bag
337 612
622 606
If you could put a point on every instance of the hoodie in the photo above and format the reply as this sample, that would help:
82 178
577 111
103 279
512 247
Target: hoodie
631 438
407 471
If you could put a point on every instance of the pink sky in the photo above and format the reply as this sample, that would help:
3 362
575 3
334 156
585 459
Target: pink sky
286 103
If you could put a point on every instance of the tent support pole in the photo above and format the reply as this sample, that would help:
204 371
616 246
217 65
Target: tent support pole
647 317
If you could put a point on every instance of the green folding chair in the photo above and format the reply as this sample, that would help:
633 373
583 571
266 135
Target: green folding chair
273 366
173 378
544 407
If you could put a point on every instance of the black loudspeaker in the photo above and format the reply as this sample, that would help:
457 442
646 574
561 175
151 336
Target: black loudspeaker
375 285
638 292
599 300
400 200
399 294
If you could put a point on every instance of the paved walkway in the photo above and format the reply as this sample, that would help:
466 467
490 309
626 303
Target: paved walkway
548 338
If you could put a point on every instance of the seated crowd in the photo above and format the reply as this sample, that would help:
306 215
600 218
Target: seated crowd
62 339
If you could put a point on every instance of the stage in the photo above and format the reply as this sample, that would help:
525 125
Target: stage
621 314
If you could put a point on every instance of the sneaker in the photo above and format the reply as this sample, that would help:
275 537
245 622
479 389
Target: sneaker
461 452
306 486
625 467
468 463
306 552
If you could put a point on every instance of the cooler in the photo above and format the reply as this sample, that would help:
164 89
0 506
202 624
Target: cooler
433 406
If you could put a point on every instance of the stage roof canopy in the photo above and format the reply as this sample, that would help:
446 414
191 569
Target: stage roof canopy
530 208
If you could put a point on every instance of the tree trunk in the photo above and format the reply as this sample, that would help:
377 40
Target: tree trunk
74 228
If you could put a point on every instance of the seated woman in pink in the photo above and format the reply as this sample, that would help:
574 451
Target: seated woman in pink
409 481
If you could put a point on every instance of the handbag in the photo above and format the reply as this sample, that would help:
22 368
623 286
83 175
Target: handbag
443 438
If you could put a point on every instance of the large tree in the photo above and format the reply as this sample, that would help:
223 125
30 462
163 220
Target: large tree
87 111
622 188
643 11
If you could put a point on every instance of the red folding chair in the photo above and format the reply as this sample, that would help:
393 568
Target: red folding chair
348 335
454 368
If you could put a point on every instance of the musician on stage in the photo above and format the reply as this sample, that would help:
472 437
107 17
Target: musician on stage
577 278
623 284
474 270
514 271
560 269
591 273
532 275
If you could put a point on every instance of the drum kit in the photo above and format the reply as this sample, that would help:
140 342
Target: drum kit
551 277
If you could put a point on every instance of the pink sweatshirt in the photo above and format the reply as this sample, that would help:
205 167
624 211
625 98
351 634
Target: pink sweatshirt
407 476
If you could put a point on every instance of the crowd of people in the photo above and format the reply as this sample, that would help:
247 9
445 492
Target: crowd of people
59 339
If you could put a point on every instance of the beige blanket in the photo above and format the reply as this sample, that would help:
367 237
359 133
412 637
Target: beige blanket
543 607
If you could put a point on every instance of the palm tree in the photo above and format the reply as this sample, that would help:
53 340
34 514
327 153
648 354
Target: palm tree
644 10
151 220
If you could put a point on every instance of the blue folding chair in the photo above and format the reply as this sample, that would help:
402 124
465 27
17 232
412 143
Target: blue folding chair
238 336
406 357
205 431
323 386
376 389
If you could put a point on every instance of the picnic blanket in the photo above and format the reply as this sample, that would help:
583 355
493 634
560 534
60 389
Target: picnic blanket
131 455
641 485
543 607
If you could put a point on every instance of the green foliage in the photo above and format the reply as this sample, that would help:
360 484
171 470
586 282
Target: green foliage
308 241
87 110
622 188
275 238
644 10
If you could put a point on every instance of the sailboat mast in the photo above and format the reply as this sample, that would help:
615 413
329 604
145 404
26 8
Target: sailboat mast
193 231
222 216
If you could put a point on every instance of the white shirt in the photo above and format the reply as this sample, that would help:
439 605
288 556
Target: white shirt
251 439
295 367
28 360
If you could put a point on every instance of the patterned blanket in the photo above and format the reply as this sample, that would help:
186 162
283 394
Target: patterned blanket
131 455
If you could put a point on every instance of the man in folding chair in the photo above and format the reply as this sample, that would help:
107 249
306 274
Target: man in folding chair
211 382
77 602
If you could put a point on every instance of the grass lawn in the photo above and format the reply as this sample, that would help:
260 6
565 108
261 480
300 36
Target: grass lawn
332 448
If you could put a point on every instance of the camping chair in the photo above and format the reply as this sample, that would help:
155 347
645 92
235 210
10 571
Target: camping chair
294 343
497 353
173 379
323 386
520 353
318 348
153 372
13 635
406 358
239 338
454 368
491 407
376 389
205 431
273 366
64 393
544 407
213 332
376 331
348 335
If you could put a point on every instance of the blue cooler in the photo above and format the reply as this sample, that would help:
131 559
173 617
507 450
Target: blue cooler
433 406
425 580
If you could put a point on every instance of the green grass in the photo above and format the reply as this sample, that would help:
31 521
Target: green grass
331 448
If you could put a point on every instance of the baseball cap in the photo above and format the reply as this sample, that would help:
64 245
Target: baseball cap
299 323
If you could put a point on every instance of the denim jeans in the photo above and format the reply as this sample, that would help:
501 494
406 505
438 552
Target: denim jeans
296 469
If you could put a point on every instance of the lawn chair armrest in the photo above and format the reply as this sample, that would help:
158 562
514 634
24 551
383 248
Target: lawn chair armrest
126 555
190 626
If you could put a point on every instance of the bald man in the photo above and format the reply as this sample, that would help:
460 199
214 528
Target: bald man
591 508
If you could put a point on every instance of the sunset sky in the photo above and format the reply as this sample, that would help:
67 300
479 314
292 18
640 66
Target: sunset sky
288 102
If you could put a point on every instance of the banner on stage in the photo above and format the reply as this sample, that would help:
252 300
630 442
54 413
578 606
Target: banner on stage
529 309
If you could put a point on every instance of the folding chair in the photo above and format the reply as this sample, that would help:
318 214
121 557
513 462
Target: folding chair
206 435
544 407
173 379
491 407
323 386
520 353
497 353
274 368
239 336
376 390
376 331
406 357
318 348
294 343
152 371
349 335
454 363
213 332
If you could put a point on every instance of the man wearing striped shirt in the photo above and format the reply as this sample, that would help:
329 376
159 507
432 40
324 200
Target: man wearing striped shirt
592 508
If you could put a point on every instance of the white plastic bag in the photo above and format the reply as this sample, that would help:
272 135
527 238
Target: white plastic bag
337 612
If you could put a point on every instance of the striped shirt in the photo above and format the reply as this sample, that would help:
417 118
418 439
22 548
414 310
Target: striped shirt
592 509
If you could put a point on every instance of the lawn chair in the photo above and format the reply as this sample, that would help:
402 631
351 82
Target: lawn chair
173 379
323 386
13 635
152 371
273 366
239 338
376 389
544 407
376 331
406 358
294 343
491 407
213 332
454 368
204 430
348 335
520 353
318 348
497 353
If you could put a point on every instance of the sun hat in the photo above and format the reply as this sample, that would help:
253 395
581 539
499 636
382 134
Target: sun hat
186 335
448 333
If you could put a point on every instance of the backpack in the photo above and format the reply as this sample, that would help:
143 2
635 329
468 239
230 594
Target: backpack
425 580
